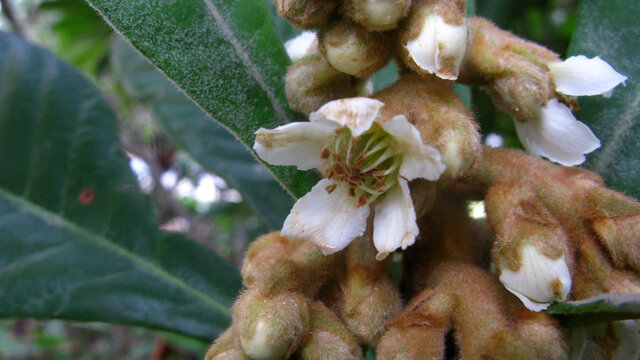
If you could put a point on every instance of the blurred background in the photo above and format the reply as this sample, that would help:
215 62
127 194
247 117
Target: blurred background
187 197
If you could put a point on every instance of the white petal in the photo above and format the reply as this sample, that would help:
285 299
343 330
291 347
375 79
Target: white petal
436 42
331 221
579 75
298 144
557 135
419 160
534 282
301 45
394 224
355 113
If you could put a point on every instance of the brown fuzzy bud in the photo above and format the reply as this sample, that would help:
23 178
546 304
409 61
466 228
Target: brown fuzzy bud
311 82
306 14
514 69
440 117
351 49
270 327
328 339
412 343
225 348
434 37
367 306
541 334
263 254
376 15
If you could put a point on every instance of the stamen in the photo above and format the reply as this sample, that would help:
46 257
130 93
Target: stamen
330 188
349 152
381 187
368 190
324 154
339 169
387 154
362 201
394 166
376 135
352 191
381 145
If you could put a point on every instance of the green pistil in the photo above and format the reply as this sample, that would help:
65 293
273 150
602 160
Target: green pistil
368 165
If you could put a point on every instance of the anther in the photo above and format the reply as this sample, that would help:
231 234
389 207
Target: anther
352 192
362 201
324 154
339 169
330 188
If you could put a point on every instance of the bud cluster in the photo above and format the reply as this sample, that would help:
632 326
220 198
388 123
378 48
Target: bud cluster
401 167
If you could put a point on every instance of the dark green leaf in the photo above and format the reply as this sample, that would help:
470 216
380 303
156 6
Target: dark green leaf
603 308
77 240
609 29
193 130
225 55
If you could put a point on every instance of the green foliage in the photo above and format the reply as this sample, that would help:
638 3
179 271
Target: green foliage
206 141
226 56
609 29
603 308
78 239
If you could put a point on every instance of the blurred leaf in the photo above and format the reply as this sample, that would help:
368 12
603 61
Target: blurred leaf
77 240
81 36
217 151
603 308
225 55
609 29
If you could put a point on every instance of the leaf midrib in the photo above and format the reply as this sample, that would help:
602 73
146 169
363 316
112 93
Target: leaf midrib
108 245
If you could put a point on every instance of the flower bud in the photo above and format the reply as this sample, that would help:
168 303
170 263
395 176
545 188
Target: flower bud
620 235
439 115
306 14
270 327
263 254
541 334
225 348
539 280
434 38
329 339
412 343
351 49
311 82
367 306
376 15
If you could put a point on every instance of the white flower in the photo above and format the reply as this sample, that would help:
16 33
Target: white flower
440 47
539 281
302 45
555 133
365 162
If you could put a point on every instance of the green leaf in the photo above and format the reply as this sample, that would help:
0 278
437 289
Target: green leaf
603 308
609 29
77 240
225 55
205 140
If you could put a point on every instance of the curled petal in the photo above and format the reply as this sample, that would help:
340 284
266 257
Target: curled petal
539 281
329 220
440 47
301 45
579 75
394 224
418 160
355 113
557 135
298 144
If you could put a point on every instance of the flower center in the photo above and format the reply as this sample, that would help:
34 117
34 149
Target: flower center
368 164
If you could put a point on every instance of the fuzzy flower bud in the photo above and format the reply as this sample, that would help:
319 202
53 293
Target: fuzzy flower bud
270 327
434 38
353 50
225 348
311 82
539 281
306 14
329 339
376 15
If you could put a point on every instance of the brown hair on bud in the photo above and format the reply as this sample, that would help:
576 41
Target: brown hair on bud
329 339
306 14
270 327
311 82
351 49
263 254
376 15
